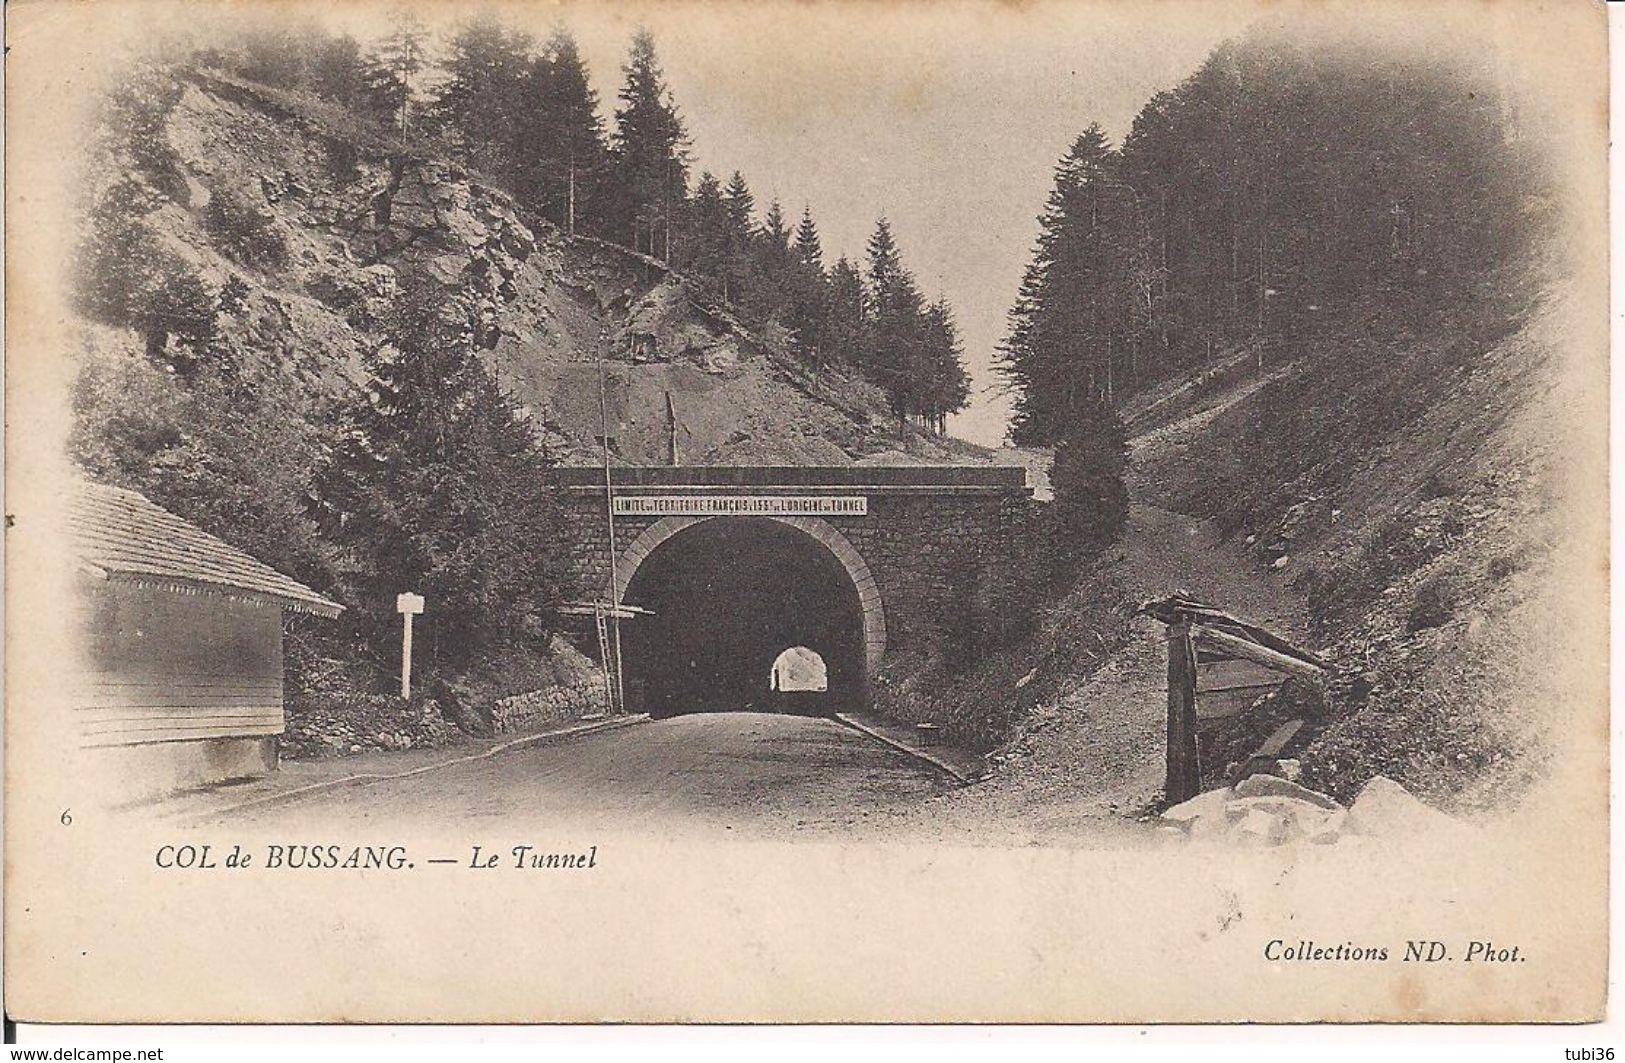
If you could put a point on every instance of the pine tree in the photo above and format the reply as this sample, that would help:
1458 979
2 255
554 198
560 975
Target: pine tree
896 352
1091 497
1075 311
774 230
773 284
846 315
708 251
437 485
807 315
650 151
947 385
479 100
563 159
338 72
276 53
885 263
393 71
808 247
1267 216
912 351
740 205
737 268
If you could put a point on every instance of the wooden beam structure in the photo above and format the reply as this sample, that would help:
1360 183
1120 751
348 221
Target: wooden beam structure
1258 654
1228 662
1184 777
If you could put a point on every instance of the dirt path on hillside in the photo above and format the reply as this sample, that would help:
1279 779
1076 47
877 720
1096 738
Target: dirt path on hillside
1093 759
1158 444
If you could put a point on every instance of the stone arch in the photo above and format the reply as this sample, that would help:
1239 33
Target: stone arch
874 616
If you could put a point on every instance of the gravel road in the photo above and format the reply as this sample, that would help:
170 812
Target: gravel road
726 771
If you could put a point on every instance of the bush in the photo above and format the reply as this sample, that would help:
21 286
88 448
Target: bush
1091 498
230 453
1393 550
999 601
1434 603
179 308
1504 566
125 277
1427 744
134 120
245 230
343 160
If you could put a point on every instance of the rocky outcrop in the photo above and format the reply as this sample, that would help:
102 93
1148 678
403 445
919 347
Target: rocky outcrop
312 223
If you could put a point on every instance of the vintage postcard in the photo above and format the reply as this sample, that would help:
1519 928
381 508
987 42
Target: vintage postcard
806 511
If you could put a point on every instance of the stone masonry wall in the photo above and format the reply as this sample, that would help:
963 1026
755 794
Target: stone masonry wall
586 556
549 707
572 688
919 547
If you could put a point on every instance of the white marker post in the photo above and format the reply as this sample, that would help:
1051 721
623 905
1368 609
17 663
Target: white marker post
408 605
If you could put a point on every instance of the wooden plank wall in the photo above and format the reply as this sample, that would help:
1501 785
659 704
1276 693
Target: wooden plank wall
1227 687
164 667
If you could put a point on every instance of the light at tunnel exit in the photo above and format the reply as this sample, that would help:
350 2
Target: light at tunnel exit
799 668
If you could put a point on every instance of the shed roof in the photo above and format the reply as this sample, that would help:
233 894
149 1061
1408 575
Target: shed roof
120 535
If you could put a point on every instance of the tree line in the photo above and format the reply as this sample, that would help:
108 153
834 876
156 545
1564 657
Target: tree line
526 117
1282 192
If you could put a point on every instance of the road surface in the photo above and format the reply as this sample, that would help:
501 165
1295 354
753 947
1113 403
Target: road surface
725 771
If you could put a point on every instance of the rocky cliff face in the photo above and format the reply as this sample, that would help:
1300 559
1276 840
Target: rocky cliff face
311 220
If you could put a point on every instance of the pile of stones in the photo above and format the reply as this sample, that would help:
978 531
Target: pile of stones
1268 810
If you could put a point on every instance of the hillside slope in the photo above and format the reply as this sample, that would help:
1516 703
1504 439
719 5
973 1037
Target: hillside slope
310 218
1420 522
1425 510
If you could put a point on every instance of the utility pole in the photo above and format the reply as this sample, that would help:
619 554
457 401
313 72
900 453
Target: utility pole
1263 293
616 682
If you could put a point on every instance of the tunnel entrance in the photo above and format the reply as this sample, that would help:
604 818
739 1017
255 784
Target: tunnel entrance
730 596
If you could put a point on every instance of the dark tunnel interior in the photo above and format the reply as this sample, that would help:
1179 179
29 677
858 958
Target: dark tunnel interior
728 596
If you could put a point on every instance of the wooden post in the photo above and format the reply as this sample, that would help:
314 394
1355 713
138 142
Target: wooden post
406 658
408 605
671 429
1184 779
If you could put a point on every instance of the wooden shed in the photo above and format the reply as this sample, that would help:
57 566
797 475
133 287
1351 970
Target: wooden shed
180 681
